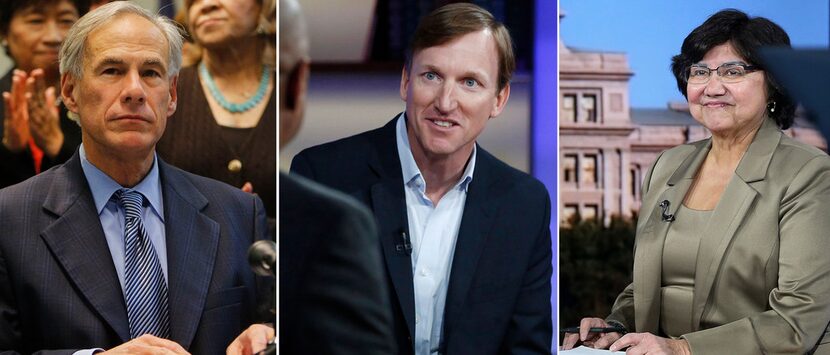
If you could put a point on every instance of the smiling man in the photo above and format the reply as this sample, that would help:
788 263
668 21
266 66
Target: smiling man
116 250
465 238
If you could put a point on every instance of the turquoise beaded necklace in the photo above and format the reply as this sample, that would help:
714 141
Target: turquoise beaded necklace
234 107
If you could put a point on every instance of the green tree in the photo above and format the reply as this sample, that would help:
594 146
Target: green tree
595 265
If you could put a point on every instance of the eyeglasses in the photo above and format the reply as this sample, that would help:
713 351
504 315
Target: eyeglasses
728 72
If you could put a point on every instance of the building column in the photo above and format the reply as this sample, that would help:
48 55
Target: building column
610 184
625 183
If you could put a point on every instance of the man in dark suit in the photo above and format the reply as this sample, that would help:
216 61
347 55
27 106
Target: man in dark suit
115 249
333 295
466 238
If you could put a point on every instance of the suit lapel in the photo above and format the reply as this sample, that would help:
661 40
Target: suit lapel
389 207
192 240
473 233
77 242
733 207
648 266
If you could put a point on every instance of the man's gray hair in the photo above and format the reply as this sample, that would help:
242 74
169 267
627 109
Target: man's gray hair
72 50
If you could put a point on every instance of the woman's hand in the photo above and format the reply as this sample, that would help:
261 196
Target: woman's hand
594 340
44 116
16 116
647 343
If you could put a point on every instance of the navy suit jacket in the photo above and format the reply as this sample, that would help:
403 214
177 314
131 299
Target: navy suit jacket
59 290
498 298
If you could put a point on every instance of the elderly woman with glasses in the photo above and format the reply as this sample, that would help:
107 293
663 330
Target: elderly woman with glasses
733 234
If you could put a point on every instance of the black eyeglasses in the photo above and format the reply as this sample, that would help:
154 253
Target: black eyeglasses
728 72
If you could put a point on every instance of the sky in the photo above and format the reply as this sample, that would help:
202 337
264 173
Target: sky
651 32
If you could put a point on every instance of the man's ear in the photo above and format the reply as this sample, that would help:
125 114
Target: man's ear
501 101
68 92
297 88
174 97
404 82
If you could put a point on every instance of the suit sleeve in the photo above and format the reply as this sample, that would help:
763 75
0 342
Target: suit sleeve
623 310
531 325
799 307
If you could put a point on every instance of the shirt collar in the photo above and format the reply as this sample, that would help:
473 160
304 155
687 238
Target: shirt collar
409 168
103 186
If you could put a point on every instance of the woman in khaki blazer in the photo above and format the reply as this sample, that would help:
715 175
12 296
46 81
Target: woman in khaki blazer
751 274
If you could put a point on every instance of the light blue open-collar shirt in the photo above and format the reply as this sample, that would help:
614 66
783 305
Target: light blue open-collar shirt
433 230
111 213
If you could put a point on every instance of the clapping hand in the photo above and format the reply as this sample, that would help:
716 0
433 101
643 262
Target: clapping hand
16 116
31 113
44 116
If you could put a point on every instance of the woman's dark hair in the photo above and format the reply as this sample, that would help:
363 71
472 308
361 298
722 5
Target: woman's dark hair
746 35
10 7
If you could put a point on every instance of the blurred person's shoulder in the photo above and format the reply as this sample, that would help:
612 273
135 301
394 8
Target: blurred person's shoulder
792 156
355 146
299 193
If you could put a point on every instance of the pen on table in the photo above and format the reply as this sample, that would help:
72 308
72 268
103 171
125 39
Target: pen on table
595 330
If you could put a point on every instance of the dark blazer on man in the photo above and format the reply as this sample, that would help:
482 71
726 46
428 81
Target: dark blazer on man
333 293
58 285
498 298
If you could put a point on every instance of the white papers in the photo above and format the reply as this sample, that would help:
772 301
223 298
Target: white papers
584 350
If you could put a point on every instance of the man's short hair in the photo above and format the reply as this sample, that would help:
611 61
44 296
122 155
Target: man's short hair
452 21
72 50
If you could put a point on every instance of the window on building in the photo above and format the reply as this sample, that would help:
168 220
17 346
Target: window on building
635 181
568 212
569 168
568 112
590 175
590 212
589 105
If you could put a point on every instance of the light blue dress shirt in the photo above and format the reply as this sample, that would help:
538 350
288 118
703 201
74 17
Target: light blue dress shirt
433 230
111 215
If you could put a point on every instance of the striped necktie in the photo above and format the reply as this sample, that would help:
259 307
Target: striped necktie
145 289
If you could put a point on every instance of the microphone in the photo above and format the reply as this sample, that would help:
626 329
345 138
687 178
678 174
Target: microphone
262 255
404 246
667 217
